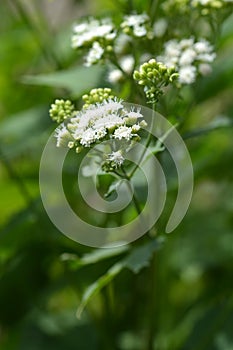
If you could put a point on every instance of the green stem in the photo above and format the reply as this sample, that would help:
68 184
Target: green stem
135 200
152 304
148 141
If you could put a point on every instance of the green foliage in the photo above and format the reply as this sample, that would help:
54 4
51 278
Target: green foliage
156 294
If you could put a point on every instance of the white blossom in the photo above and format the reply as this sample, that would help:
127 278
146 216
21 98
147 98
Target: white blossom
114 76
100 121
190 58
204 69
160 27
137 24
187 74
123 132
116 157
63 136
86 33
94 55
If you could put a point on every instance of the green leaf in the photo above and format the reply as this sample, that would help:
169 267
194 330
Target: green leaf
141 256
93 257
76 80
95 288
218 123
138 259
113 188
23 131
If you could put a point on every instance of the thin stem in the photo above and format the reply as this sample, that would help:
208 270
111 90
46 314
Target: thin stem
148 141
152 304
135 200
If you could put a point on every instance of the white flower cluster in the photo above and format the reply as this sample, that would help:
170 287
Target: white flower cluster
85 33
95 35
137 25
189 58
100 121
116 158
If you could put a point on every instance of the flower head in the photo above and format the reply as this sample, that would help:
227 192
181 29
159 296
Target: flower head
137 25
189 58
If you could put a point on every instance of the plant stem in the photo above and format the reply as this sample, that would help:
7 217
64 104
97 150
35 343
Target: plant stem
135 200
148 141
152 304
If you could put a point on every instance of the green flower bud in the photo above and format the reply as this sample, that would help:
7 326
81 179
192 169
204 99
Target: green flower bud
97 95
61 110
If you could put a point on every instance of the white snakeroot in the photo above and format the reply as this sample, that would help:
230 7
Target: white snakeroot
188 57
116 157
160 27
187 74
114 76
84 34
137 23
100 121
205 69
63 136
123 132
94 55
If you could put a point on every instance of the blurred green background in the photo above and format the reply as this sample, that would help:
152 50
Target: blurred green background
39 293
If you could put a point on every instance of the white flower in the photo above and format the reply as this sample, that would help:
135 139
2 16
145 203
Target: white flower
127 63
123 132
160 27
207 57
94 55
185 43
116 157
63 136
122 41
187 57
139 31
88 137
204 69
114 76
134 115
135 20
187 74
92 30
135 128
137 23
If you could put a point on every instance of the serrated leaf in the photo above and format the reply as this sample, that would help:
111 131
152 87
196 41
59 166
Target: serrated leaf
76 80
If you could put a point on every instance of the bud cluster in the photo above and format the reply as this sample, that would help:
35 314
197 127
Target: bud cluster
154 76
61 110
97 96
